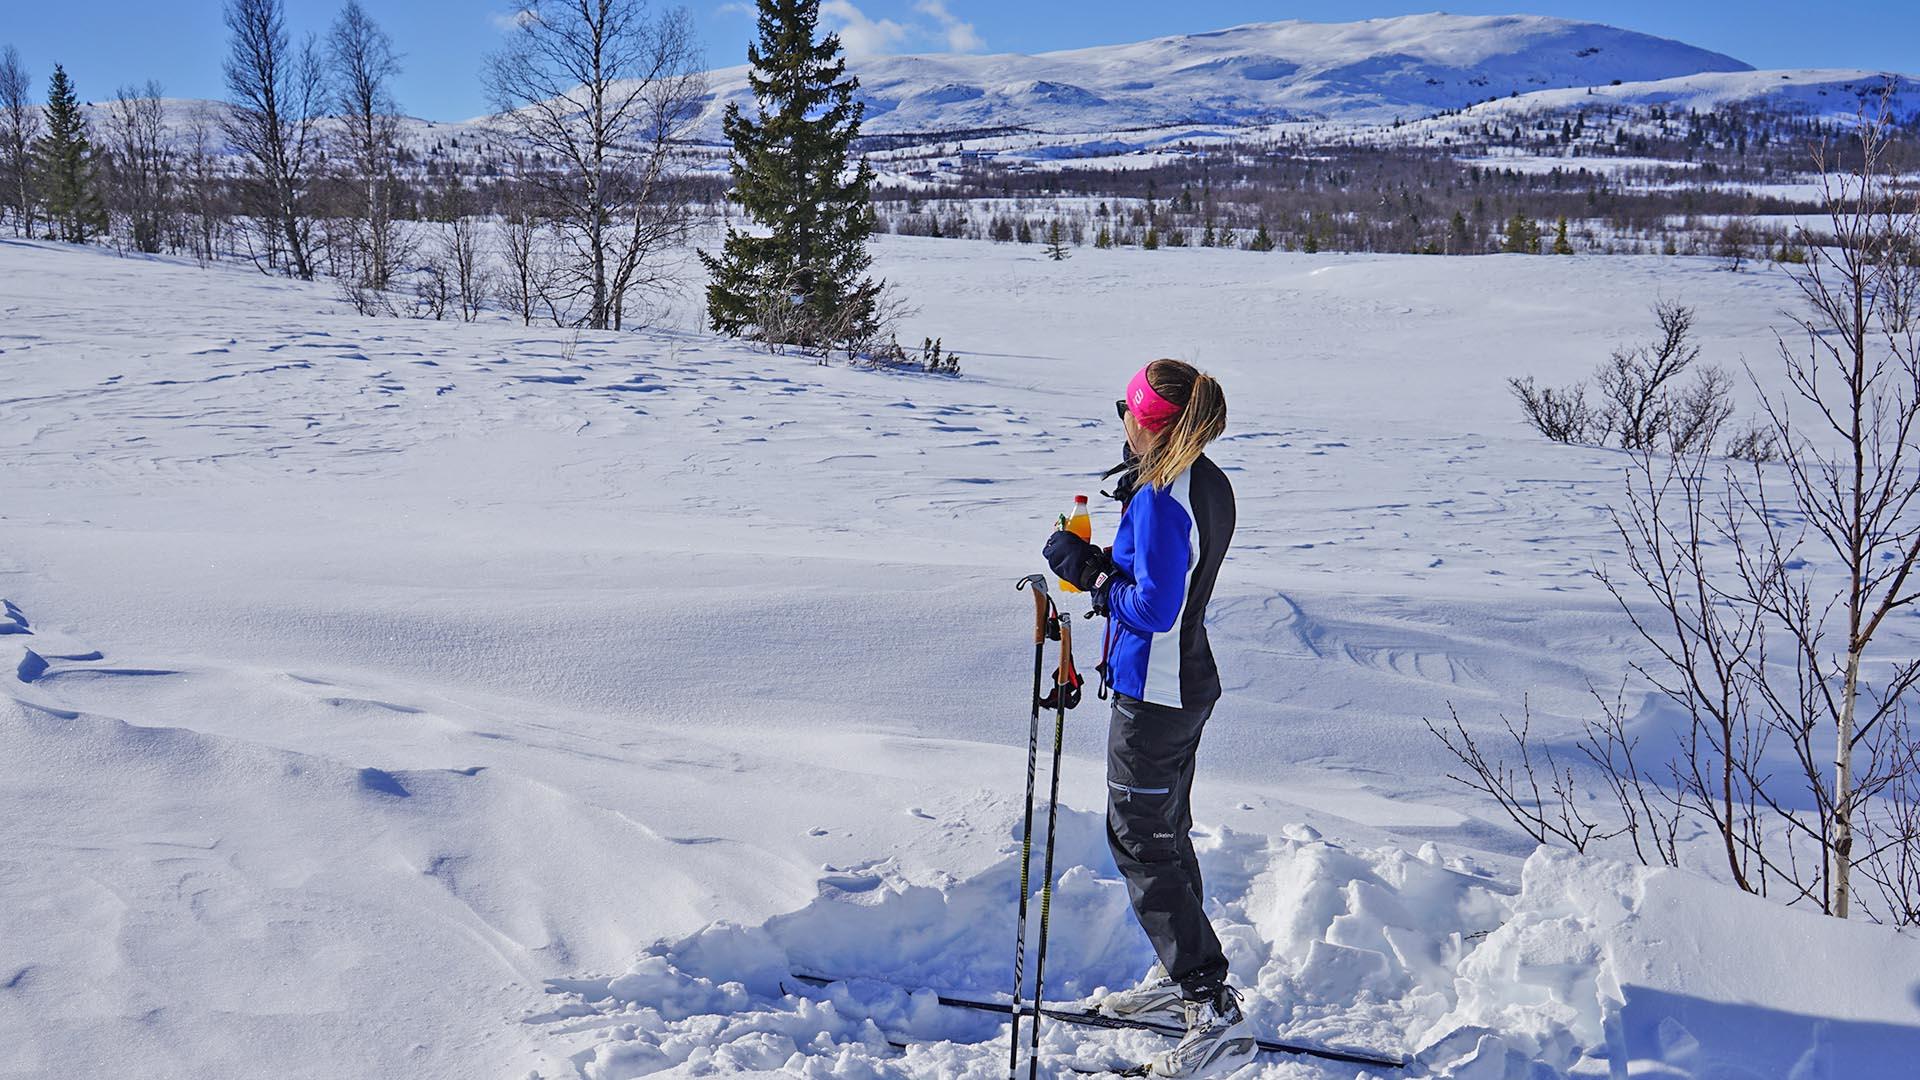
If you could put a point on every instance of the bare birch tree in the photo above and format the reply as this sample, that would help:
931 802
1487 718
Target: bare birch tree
1770 585
207 212
457 255
140 166
604 91
363 64
1855 474
278 93
525 280
19 127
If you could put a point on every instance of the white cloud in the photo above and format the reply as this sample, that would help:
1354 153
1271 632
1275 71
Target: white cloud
737 7
510 20
860 35
961 37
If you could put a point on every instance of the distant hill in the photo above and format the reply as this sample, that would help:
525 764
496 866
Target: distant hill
1372 72
1376 70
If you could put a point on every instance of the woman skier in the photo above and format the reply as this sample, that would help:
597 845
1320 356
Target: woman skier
1153 588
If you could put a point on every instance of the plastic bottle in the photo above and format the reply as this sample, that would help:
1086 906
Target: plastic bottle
1078 522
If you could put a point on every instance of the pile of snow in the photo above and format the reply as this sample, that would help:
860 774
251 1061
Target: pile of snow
1593 968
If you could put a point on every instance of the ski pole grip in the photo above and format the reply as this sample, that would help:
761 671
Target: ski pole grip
1042 606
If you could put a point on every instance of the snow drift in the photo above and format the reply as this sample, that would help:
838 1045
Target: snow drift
1593 968
362 680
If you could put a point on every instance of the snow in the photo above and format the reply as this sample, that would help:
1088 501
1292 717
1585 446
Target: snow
1375 69
1387 81
390 698
1823 92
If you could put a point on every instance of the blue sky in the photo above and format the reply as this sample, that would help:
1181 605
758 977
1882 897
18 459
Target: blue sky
105 43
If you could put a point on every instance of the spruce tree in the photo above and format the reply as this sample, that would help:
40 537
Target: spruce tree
1562 245
1523 235
1459 237
1056 247
65 167
1262 240
804 283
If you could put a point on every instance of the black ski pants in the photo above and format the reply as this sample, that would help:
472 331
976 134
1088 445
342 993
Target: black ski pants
1150 755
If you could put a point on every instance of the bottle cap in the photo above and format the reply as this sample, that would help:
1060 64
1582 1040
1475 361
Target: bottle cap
1079 498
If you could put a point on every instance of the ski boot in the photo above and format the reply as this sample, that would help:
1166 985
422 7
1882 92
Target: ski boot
1217 1040
1156 1000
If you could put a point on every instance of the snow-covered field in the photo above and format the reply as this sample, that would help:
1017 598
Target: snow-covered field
390 698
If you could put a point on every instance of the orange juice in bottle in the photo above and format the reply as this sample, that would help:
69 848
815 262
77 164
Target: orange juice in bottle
1079 523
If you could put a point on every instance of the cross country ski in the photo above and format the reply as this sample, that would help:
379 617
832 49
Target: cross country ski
1084 1016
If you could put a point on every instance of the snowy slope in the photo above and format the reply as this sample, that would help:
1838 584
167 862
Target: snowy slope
1377 69
388 698
188 120
1827 92
1356 75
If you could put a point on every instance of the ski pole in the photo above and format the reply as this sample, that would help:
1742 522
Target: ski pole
1066 686
1041 606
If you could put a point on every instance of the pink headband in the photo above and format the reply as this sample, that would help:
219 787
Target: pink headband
1152 411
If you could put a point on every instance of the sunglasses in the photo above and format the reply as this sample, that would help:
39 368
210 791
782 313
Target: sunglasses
1120 408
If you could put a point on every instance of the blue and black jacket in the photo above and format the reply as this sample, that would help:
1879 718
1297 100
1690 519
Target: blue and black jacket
1166 555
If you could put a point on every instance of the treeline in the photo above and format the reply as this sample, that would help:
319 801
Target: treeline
1417 195
1398 223
579 213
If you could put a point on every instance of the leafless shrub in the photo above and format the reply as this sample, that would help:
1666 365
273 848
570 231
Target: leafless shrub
1891 837
1642 404
432 290
1635 382
1755 441
1553 815
1561 414
1736 242
1697 413
932 357
366 299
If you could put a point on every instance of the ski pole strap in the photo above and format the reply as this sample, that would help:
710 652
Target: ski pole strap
1066 678
1050 625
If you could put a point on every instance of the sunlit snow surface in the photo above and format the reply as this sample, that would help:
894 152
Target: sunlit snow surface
396 698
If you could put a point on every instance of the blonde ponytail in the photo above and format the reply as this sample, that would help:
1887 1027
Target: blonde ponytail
1202 417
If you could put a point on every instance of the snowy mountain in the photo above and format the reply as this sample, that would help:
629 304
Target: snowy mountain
1359 73
1377 69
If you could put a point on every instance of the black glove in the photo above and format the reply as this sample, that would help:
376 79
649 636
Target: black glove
1076 560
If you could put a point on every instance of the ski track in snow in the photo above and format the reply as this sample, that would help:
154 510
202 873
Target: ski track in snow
377 691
